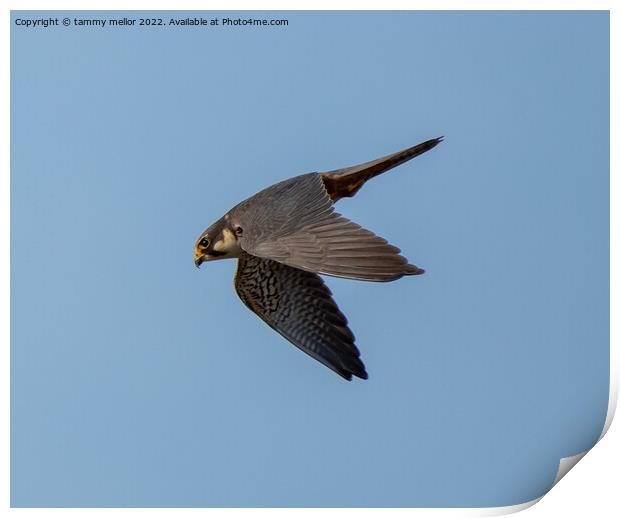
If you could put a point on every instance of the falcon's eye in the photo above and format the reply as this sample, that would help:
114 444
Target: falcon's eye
204 243
239 231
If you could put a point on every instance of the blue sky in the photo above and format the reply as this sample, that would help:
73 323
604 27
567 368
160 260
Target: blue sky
138 380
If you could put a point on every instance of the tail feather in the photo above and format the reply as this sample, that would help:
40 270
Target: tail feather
344 183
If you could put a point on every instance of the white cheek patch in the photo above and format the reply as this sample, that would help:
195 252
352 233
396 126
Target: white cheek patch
228 243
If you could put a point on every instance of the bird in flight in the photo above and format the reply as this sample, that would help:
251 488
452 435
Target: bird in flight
284 236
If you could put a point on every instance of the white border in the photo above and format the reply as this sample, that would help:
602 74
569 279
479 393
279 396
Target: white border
565 507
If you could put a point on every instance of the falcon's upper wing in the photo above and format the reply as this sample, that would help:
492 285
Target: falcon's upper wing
299 306
293 222
345 182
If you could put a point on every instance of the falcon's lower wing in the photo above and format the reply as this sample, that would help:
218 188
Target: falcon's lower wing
299 306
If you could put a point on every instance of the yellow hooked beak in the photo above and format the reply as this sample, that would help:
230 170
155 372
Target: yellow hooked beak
199 257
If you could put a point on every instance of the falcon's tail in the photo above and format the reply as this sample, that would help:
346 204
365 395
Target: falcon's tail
344 183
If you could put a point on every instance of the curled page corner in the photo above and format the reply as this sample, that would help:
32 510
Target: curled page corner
566 463
564 466
507 509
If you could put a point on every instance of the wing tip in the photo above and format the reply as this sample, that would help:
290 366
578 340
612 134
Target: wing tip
363 375
412 269
426 145
349 375
359 371
434 141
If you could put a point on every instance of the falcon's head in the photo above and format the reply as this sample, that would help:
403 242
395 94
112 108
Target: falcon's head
219 241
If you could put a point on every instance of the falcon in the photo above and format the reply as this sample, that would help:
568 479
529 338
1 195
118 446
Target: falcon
288 234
